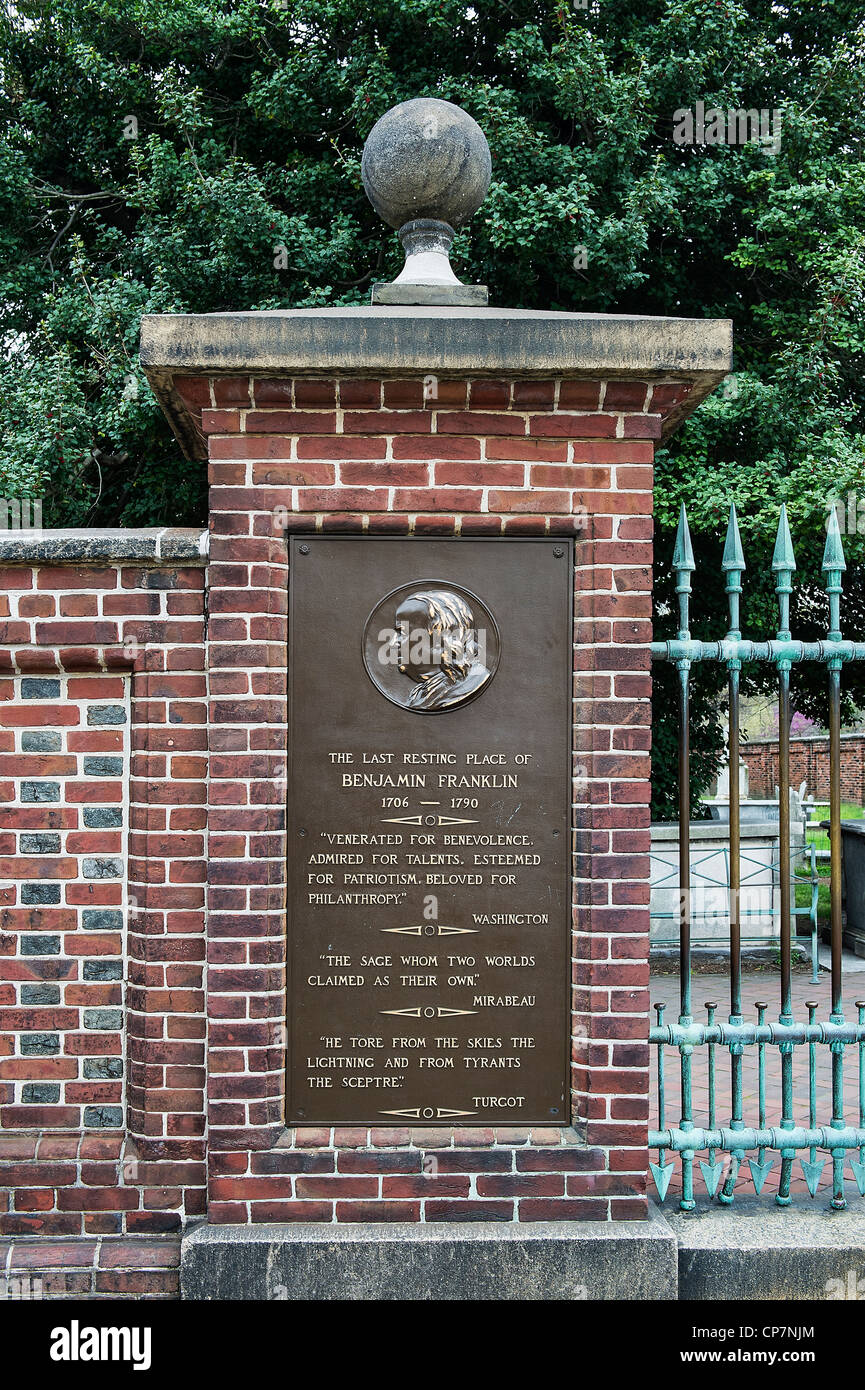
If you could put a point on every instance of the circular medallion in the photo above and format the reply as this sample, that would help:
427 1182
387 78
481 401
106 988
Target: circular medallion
430 646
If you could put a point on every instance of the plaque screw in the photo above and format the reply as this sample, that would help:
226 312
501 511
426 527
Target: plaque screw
558 551
301 832
304 549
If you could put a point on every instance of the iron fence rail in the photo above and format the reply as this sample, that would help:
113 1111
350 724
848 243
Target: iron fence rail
790 1140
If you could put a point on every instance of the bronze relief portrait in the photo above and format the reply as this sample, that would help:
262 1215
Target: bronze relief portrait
431 646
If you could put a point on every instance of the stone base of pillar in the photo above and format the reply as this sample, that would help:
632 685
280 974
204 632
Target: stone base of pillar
753 1251
543 1261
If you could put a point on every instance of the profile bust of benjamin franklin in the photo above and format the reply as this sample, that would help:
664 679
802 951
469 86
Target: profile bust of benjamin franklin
446 667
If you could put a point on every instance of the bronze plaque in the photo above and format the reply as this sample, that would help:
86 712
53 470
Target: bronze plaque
428 831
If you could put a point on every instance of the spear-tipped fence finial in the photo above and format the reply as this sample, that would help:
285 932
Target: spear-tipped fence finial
733 565
683 566
833 567
783 567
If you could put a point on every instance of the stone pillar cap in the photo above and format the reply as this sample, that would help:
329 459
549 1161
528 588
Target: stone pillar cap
358 340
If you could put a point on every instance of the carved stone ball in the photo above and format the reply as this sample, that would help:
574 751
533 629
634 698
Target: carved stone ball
426 159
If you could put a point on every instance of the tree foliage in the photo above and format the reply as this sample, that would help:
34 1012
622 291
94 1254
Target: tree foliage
155 154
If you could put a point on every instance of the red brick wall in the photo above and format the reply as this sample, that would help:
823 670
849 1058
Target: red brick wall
103 746
809 762
477 457
90 1267
123 1152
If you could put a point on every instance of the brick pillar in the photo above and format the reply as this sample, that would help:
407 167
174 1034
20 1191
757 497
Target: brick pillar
398 424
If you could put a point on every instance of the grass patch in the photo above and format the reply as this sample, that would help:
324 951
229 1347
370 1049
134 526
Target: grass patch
803 899
820 838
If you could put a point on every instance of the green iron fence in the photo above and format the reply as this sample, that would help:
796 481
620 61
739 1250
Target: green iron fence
726 1146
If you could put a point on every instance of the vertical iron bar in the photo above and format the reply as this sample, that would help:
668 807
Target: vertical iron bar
859 1167
710 1172
786 1015
812 1073
760 1169
810 1165
710 1019
712 1169
735 849
662 1107
661 1171
815 893
683 566
837 1015
684 846
733 565
812 1087
783 565
833 567
761 1070
835 833
784 848
685 1052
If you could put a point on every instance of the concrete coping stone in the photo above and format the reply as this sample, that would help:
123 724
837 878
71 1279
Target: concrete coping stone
752 744
396 340
716 830
427 1233
404 338
149 545
751 1224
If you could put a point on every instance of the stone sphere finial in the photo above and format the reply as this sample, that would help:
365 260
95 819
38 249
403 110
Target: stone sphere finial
426 169
426 159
